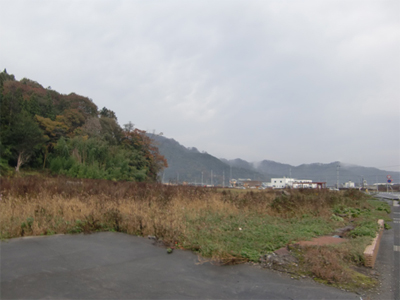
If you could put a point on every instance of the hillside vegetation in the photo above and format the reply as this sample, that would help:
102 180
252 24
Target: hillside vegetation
67 134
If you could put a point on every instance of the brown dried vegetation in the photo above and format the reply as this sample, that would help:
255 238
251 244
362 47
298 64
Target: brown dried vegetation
226 226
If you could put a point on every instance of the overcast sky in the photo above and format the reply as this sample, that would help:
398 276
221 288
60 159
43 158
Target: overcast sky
290 81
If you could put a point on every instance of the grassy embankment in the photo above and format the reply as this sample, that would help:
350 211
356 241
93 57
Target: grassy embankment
224 226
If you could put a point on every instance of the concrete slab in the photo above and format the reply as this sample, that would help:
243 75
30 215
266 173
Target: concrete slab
118 266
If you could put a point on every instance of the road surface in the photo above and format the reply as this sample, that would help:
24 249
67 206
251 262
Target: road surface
111 265
388 259
389 196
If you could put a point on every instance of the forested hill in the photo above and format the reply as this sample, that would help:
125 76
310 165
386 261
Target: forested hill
195 167
67 134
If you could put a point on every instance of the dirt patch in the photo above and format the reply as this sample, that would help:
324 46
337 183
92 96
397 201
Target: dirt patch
284 256
285 260
314 260
280 260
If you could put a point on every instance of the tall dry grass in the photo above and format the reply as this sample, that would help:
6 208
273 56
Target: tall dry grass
40 206
35 205
227 225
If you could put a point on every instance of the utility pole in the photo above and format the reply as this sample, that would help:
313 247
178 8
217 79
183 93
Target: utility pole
211 178
223 178
202 184
337 176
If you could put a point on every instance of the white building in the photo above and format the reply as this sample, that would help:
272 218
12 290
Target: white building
349 184
281 183
304 184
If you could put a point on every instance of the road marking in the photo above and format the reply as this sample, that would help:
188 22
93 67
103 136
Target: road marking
396 248
398 213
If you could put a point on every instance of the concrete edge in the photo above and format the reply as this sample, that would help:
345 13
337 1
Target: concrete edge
28 237
371 251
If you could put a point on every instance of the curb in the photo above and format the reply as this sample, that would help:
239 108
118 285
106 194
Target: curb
371 251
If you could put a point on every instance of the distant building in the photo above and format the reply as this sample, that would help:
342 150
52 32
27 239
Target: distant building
383 183
304 184
267 184
349 185
281 183
252 184
246 183
233 182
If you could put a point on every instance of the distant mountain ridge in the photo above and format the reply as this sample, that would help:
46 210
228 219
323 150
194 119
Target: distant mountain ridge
191 165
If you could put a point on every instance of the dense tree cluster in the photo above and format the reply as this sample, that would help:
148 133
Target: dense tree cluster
41 128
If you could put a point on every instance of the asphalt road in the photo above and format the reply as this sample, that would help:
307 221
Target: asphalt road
396 252
391 196
388 260
118 266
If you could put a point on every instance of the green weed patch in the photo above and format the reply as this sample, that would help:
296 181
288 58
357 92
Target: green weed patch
249 236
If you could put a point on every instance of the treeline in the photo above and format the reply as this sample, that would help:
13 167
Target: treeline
67 134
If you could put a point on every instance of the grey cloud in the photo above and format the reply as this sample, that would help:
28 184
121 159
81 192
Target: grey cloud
286 80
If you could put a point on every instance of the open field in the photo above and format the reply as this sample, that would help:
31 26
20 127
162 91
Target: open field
224 226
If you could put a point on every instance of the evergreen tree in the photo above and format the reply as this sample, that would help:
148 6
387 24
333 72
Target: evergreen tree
24 137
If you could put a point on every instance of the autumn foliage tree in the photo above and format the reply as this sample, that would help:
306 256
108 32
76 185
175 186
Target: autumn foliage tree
40 127
53 131
154 162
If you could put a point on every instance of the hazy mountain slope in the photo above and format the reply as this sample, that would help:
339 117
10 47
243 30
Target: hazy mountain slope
272 167
190 165
327 172
239 163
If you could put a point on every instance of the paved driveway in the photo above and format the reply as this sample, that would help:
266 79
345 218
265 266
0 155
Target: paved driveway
118 266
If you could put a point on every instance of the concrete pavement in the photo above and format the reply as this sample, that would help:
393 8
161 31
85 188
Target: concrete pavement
111 265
